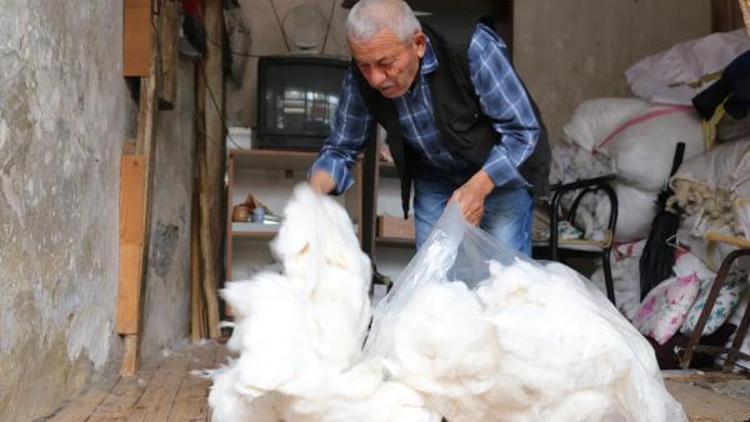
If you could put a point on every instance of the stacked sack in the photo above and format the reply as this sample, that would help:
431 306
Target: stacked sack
713 192
638 139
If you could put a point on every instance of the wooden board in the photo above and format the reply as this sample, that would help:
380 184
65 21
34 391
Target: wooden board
132 217
169 54
137 37
156 402
81 408
191 402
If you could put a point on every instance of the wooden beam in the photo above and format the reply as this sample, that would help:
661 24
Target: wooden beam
137 38
132 185
130 292
212 171
169 39
197 302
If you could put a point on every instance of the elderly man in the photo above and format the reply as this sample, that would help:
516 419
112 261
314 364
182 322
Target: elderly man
461 126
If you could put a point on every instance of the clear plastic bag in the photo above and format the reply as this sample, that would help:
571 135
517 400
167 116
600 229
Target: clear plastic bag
486 334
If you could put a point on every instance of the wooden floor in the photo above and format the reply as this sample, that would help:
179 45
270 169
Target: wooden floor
170 390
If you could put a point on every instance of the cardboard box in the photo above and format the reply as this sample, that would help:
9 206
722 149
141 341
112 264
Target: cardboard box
396 227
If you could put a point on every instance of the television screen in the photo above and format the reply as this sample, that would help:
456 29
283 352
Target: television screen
298 96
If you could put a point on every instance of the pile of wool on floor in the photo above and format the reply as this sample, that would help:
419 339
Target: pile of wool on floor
486 335
299 333
470 332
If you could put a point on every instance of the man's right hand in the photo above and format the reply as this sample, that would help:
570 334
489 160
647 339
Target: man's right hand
322 183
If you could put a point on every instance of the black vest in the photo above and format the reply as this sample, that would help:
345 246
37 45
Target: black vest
463 127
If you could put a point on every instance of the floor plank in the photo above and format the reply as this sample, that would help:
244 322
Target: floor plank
170 391
156 402
120 401
191 401
81 409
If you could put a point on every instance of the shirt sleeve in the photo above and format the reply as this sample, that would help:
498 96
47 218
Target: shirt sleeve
503 98
349 128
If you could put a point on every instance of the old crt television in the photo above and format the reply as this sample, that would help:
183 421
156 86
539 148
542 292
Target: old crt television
297 100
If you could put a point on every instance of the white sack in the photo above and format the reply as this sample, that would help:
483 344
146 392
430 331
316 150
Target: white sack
643 154
594 120
667 77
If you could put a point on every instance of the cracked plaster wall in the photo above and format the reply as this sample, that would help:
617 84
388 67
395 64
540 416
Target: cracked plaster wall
64 112
567 51
62 122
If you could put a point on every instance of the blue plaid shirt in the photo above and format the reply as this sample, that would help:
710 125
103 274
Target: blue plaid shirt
502 98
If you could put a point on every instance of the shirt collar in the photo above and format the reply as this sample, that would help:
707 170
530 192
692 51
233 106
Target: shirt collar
429 61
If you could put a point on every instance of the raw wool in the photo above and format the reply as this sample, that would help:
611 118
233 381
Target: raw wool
680 73
515 348
570 163
715 189
512 340
299 332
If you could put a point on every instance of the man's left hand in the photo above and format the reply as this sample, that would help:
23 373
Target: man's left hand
470 197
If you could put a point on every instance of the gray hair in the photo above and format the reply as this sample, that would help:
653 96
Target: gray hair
368 17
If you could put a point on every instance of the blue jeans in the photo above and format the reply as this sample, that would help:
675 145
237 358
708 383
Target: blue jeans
508 213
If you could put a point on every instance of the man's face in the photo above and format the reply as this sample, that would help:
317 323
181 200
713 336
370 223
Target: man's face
389 64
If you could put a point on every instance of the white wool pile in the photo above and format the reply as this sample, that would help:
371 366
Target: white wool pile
529 344
300 332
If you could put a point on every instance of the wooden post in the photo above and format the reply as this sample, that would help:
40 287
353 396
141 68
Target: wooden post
212 172
745 5
169 39
136 188
132 218
137 37
135 207
197 302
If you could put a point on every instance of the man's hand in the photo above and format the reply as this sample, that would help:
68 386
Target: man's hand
470 197
322 183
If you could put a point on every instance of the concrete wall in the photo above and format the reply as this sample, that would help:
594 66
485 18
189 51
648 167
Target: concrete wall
64 112
568 51
62 122
266 38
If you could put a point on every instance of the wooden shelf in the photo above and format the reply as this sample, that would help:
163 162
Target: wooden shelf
269 159
395 241
254 230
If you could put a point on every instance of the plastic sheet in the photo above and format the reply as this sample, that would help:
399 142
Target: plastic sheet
488 335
